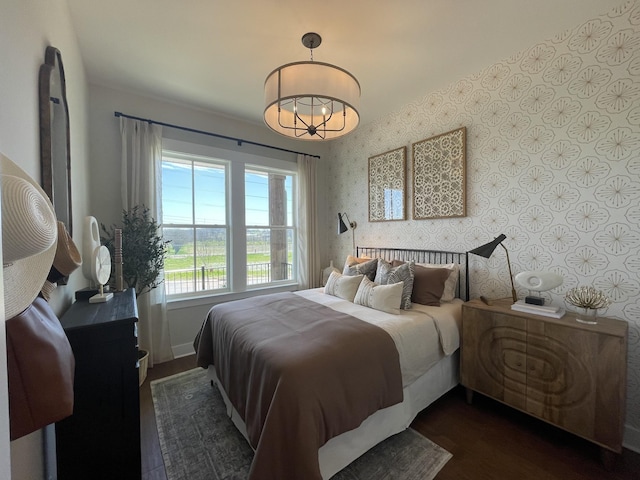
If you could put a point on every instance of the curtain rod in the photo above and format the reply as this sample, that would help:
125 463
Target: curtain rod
239 141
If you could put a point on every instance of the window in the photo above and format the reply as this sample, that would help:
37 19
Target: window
230 218
194 218
269 221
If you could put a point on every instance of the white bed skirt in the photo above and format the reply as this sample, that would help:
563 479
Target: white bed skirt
340 451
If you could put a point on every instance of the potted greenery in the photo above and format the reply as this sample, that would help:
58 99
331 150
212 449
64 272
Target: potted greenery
143 255
143 249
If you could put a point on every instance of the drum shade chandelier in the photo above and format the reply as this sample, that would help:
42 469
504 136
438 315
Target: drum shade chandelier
311 100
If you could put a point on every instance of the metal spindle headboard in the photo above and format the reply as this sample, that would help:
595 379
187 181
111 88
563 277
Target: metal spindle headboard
425 256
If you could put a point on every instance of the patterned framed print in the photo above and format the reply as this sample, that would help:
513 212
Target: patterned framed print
439 176
387 185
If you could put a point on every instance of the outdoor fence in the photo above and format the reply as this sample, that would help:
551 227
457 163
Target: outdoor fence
215 277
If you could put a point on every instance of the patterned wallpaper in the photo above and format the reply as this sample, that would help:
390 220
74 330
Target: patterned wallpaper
553 162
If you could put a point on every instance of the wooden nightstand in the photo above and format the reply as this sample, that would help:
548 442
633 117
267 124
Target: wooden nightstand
566 373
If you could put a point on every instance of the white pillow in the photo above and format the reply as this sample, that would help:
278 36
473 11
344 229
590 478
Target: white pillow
451 284
381 297
343 286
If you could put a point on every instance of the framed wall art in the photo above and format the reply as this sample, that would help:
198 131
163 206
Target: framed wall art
387 185
439 176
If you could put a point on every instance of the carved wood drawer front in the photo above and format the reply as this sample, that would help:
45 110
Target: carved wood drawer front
502 351
555 369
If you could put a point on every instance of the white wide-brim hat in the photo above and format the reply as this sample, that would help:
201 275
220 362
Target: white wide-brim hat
29 237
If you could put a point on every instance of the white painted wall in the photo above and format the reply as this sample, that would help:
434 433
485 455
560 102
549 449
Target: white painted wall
26 28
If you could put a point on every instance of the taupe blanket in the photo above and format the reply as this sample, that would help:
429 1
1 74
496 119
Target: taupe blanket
298 373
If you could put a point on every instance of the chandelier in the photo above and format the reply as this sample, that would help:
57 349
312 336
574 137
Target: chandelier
311 100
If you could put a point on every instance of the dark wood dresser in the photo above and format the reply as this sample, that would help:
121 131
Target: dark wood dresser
101 440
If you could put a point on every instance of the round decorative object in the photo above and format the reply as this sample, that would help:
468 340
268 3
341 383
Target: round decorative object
101 265
539 281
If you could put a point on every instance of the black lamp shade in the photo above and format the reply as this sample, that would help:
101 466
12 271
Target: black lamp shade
342 227
487 249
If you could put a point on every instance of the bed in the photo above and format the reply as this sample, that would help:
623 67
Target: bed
313 379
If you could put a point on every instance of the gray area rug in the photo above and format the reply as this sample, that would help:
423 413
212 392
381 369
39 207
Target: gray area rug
199 441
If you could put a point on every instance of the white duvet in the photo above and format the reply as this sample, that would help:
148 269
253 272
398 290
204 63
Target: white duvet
423 334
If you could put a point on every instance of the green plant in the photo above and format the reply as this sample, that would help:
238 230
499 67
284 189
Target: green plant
143 249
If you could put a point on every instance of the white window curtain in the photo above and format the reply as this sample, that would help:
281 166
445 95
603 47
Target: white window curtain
141 185
308 248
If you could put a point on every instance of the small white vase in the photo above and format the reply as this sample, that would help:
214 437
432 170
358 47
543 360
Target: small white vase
587 315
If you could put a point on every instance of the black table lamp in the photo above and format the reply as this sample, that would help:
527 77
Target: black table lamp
486 251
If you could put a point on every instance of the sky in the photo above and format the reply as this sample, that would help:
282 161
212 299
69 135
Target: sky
210 189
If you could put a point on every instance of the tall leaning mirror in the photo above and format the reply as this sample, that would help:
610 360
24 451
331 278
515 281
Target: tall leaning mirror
55 155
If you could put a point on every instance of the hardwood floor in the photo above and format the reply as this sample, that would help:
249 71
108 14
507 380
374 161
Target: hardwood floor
487 439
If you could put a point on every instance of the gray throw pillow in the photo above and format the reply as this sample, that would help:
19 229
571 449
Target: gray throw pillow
367 269
387 274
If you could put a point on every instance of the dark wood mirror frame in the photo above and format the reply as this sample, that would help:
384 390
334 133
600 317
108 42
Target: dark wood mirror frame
55 154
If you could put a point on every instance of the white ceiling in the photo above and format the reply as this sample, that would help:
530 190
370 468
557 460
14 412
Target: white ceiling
216 54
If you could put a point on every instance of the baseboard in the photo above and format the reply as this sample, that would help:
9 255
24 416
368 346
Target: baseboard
631 438
182 350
